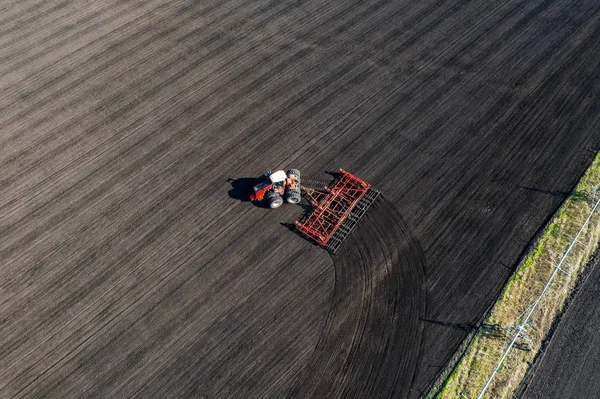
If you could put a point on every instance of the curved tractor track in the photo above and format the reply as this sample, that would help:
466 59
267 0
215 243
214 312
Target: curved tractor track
372 336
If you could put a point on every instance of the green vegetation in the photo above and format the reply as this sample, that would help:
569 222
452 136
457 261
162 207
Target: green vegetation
481 356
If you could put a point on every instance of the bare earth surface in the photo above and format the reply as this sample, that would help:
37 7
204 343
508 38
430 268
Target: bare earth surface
372 337
128 268
570 367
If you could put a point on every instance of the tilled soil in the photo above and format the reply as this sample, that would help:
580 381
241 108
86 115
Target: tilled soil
371 341
131 266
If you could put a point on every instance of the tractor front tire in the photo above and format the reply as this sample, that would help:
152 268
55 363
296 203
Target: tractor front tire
274 200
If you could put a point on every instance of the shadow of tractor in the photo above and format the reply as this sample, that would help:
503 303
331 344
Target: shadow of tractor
242 188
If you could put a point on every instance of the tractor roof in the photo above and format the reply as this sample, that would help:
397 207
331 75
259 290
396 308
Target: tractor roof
278 176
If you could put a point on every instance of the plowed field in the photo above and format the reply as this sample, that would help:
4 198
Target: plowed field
128 268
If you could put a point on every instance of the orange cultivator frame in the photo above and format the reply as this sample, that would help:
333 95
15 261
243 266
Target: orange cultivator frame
336 210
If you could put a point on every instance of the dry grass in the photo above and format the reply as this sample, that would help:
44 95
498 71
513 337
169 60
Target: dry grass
525 285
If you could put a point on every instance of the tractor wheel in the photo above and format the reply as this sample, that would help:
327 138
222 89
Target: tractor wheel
293 197
293 194
274 199
295 172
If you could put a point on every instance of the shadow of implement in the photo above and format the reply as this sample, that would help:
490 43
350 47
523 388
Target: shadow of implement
292 227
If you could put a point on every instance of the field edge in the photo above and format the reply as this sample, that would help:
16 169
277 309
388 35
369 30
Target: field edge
481 350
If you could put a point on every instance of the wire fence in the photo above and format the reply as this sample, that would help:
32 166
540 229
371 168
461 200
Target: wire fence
521 330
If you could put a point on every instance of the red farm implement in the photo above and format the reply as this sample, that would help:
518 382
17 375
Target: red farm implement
336 210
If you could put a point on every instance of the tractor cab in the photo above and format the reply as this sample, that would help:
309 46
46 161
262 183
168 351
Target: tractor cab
278 179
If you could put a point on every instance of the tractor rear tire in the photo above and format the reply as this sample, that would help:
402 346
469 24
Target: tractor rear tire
294 172
293 197
293 194
274 199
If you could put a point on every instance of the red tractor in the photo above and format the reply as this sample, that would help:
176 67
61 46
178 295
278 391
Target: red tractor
274 187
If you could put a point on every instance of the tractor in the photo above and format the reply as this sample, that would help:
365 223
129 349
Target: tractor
334 210
274 187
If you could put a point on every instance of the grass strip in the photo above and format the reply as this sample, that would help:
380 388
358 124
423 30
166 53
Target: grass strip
522 289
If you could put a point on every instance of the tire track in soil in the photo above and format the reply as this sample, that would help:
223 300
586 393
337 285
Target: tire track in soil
372 337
